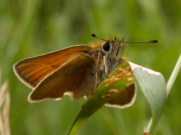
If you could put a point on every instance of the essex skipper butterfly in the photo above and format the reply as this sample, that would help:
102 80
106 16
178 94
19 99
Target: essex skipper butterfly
76 70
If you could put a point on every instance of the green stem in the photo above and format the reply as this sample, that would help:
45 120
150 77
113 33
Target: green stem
173 75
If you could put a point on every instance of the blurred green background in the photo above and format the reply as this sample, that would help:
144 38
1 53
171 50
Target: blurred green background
33 27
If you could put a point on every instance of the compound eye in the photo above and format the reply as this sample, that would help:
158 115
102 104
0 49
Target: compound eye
106 47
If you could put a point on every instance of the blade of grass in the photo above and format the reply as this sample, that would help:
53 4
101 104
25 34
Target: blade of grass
4 109
174 75
156 101
116 80
153 86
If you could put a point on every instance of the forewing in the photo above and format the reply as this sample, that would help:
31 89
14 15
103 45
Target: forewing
75 77
31 71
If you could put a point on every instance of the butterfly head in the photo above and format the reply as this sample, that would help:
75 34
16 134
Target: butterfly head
113 47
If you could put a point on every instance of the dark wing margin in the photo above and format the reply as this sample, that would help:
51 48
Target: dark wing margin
32 70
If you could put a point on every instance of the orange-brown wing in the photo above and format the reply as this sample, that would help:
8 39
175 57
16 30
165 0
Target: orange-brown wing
123 75
31 71
76 76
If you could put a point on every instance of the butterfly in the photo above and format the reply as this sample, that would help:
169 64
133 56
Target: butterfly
76 71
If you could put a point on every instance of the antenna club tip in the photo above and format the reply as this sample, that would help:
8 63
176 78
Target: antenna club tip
154 41
93 35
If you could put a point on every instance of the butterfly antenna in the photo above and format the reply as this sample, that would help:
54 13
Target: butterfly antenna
95 36
148 41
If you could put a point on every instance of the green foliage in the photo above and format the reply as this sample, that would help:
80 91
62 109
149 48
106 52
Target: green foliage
151 83
119 79
29 28
153 86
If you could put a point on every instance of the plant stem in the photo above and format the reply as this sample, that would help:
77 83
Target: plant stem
173 75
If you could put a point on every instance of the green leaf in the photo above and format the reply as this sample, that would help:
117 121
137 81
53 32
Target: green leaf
153 86
155 90
119 79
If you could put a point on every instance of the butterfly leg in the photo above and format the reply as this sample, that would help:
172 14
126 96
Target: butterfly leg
97 71
106 66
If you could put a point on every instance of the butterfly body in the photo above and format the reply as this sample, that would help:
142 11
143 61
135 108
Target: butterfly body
79 70
76 70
